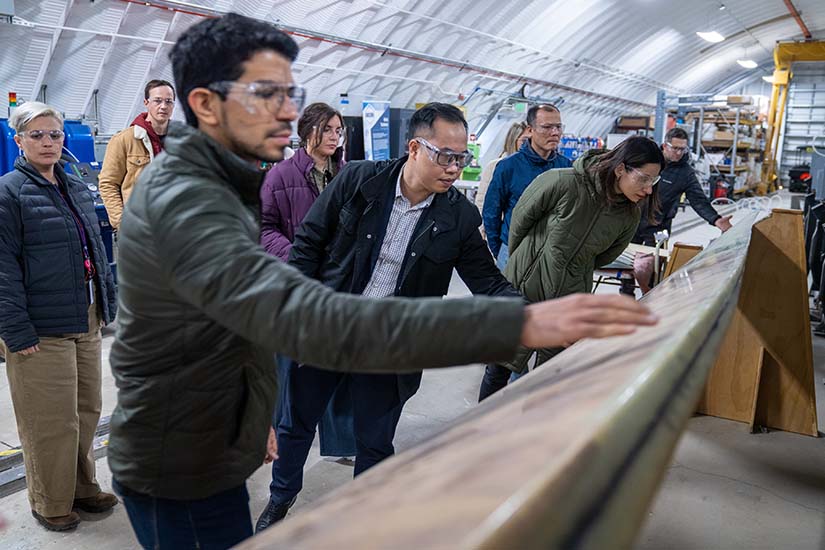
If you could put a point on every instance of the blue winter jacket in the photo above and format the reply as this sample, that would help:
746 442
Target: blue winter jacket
42 278
511 177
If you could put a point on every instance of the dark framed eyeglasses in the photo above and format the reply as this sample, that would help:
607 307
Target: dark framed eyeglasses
38 135
262 95
446 159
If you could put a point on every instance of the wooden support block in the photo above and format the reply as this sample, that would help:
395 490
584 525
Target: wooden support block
764 372
681 254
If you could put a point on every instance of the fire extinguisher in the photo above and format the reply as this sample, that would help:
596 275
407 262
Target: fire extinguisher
720 190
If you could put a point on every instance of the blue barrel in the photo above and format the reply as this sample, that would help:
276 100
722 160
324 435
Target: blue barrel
8 148
79 140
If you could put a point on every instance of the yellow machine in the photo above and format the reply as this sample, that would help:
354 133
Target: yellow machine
784 55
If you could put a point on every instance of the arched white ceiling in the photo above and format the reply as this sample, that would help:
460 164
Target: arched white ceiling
604 58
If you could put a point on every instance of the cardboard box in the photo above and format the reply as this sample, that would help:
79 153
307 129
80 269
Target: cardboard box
634 122
723 135
740 100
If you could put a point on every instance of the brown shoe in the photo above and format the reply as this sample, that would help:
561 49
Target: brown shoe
58 523
96 504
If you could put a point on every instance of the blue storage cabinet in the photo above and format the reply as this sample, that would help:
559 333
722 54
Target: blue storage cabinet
79 140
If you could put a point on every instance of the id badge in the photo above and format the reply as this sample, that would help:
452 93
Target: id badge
90 291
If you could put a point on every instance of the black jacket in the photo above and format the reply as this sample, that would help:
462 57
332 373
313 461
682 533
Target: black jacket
42 287
340 238
204 309
677 178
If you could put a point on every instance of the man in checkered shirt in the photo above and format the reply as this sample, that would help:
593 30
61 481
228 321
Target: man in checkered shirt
380 230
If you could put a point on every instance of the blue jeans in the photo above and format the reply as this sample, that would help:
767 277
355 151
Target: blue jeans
503 256
213 523
377 409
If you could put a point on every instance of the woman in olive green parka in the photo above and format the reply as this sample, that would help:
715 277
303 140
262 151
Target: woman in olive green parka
570 221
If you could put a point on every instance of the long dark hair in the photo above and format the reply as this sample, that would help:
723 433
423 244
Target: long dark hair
316 117
634 152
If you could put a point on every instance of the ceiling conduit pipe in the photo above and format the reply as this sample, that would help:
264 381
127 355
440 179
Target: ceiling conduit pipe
381 49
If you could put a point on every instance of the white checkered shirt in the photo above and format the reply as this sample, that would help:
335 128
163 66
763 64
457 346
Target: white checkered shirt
400 228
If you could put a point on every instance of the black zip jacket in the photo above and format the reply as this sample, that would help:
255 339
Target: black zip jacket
42 280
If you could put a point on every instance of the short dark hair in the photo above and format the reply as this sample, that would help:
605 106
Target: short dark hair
421 123
634 152
156 83
533 111
215 50
314 116
677 133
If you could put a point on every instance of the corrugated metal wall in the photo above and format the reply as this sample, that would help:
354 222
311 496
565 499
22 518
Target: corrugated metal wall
603 57
804 115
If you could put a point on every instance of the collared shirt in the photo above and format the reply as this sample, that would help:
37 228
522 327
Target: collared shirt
322 178
400 228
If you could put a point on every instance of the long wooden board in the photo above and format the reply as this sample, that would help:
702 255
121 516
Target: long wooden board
569 456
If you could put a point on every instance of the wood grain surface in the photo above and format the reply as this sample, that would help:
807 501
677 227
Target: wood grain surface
568 456
764 373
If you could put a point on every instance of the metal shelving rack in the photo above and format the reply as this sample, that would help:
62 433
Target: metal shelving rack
703 111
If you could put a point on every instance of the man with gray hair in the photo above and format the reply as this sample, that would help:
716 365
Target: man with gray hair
513 174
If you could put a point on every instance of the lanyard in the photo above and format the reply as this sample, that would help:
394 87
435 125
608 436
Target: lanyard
87 260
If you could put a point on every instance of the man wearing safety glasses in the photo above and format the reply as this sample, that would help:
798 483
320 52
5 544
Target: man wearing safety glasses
131 150
382 230
513 174
676 179
204 308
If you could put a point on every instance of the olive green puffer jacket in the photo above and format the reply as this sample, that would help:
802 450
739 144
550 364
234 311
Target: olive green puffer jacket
204 308
562 229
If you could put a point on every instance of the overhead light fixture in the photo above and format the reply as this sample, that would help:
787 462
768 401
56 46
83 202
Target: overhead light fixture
711 36
747 63
768 79
722 7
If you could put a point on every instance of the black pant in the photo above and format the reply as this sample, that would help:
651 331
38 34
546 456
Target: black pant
212 523
376 410
495 378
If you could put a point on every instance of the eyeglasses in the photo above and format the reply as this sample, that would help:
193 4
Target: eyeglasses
333 131
547 129
680 150
445 158
646 181
160 101
37 135
263 94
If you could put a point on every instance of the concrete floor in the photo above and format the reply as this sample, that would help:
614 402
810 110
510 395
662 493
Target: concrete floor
726 488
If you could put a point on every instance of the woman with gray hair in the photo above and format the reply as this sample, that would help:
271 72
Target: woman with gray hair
55 294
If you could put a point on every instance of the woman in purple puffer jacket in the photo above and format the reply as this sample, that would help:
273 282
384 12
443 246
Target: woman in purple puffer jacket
292 185
288 192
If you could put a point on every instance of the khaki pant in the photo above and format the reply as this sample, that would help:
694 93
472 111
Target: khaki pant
56 397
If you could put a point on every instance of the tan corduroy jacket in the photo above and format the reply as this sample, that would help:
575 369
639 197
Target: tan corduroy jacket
128 152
